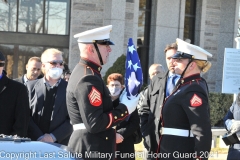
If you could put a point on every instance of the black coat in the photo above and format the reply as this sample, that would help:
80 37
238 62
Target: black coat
126 128
14 107
89 102
187 108
60 125
151 110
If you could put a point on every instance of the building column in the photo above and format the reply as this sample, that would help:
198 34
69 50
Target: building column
167 24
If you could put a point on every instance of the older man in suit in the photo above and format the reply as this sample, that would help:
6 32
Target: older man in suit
14 105
49 117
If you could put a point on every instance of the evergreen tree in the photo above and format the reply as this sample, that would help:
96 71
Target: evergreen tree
219 105
117 67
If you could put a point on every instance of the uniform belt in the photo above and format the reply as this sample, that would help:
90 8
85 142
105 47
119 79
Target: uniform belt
78 126
176 132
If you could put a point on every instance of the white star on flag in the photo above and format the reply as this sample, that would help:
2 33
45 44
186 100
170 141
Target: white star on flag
135 67
131 49
132 79
129 64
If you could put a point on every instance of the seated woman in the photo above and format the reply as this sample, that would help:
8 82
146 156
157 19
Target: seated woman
125 130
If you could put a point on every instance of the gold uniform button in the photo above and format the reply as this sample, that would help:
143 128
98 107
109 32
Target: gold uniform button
122 115
106 138
126 112
115 117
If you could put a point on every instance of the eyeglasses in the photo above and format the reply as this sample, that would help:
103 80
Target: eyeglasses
2 64
54 63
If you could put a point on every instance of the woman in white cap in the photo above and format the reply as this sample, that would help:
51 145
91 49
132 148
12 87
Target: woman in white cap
186 129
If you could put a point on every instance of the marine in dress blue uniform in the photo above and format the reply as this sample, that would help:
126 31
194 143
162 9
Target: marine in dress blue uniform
186 130
89 102
232 124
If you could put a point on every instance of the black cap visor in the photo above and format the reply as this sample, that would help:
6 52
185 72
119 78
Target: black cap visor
2 58
182 55
2 64
104 42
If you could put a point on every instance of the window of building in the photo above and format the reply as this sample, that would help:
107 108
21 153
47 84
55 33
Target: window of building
35 16
17 57
144 23
28 27
57 17
8 16
189 22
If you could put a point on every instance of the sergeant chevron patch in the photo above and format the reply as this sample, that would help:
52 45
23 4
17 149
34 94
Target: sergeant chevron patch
196 101
95 97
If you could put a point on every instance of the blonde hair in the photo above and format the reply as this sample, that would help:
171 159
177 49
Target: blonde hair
204 66
48 52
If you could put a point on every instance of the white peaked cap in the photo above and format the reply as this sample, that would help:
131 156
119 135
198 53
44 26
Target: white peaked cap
90 36
196 51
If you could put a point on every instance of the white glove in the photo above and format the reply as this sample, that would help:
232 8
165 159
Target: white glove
131 104
235 126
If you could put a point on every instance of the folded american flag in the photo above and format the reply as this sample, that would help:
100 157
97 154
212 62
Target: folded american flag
133 75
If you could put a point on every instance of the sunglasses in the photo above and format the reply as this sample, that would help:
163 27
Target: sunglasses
54 63
2 64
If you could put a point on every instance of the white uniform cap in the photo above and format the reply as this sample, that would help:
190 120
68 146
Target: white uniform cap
196 52
94 35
